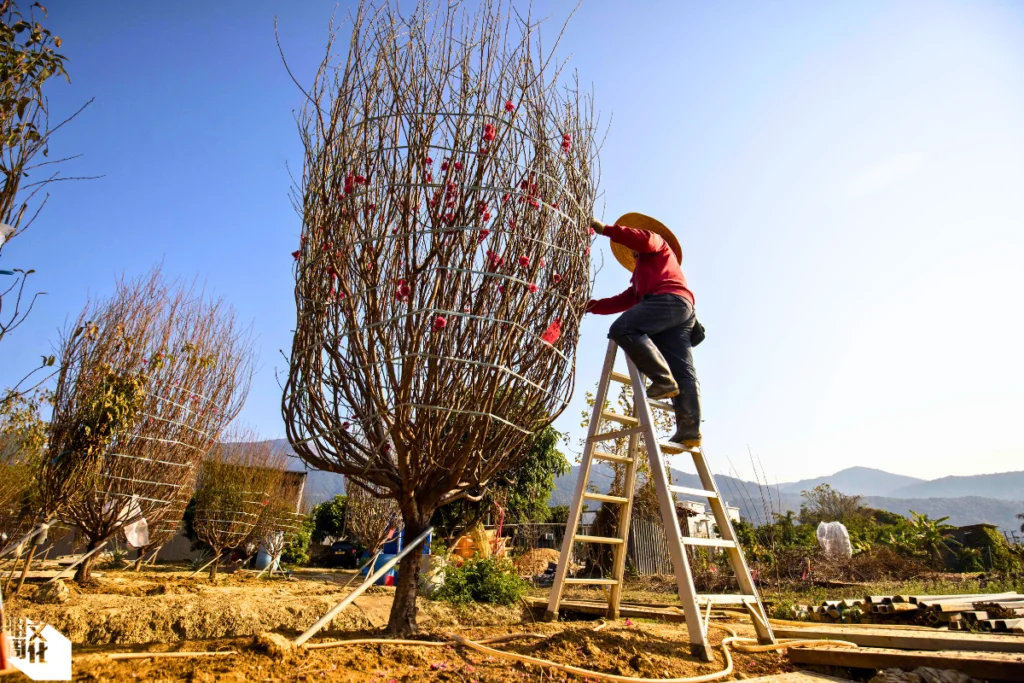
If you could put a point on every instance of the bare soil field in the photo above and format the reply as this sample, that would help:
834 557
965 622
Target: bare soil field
166 610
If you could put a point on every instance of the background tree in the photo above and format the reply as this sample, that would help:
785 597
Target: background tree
373 517
824 504
28 60
645 497
236 482
22 443
522 491
189 368
280 524
443 265
329 519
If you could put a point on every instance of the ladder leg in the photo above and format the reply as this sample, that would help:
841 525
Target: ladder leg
625 514
699 645
576 507
735 553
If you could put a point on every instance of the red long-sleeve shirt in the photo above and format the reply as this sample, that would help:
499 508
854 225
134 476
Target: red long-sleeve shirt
657 271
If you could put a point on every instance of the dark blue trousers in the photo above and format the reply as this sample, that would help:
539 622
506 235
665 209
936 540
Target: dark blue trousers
655 334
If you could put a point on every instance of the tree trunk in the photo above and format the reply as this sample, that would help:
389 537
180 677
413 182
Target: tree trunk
84 573
402 622
213 568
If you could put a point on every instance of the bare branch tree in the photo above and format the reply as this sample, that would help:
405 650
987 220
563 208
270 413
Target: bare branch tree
237 481
371 516
148 380
443 267
281 522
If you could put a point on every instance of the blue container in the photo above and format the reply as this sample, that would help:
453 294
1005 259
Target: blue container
390 577
395 545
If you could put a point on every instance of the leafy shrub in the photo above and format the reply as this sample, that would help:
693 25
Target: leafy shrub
491 580
297 551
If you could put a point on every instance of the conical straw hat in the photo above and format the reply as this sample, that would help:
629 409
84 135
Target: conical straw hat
639 221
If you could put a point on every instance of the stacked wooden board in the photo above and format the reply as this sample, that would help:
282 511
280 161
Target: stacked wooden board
980 655
998 612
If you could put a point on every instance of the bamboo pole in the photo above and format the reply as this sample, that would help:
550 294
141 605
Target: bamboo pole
196 572
24 570
370 580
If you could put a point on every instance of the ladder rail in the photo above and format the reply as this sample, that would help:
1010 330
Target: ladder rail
673 534
735 553
625 515
576 507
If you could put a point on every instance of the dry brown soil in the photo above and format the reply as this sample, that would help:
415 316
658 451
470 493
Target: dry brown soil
167 611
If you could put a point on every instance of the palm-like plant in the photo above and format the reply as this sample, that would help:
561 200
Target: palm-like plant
931 536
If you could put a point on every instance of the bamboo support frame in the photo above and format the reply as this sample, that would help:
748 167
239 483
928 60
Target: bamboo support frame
370 580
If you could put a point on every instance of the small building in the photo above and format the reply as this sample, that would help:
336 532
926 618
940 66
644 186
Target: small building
697 521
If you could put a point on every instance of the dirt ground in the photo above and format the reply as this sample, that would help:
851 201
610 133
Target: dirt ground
167 611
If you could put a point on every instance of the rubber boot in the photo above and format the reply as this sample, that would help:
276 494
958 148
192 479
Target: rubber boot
687 408
649 361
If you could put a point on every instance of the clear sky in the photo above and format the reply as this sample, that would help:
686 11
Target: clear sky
847 181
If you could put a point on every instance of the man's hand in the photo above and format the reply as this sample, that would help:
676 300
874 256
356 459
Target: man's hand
597 225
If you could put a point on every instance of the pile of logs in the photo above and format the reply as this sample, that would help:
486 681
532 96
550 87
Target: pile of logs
1000 612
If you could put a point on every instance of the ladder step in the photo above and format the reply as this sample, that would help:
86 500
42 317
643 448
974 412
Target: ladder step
661 405
700 493
598 539
604 498
611 457
623 419
712 542
612 436
593 582
720 599
619 377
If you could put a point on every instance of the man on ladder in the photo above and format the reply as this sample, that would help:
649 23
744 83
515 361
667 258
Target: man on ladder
657 331
659 326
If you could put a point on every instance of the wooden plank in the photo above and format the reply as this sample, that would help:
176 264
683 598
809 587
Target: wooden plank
997 666
667 613
42 574
969 598
798 677
922 639
931 598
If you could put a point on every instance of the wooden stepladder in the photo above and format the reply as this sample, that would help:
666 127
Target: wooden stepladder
634 427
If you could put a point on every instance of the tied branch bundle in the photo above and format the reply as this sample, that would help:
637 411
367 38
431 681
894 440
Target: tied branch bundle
450 172
148 380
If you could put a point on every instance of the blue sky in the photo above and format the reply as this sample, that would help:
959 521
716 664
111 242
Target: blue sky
845 179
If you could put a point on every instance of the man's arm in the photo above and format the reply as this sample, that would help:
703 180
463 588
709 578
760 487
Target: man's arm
613 304
640 241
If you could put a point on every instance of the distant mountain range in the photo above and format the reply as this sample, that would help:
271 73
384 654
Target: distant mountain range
984 498
989 498
863 481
